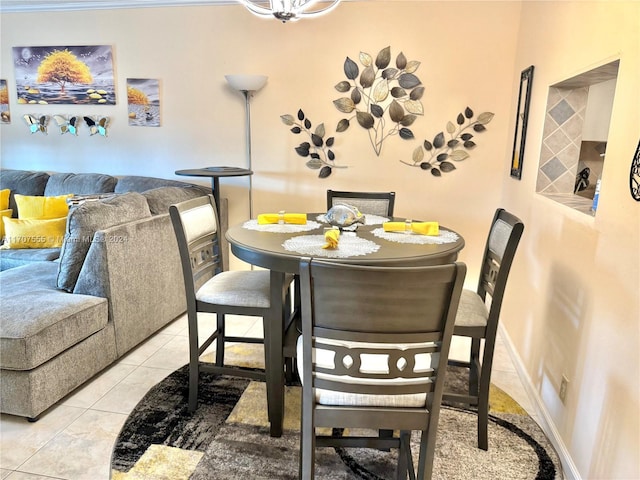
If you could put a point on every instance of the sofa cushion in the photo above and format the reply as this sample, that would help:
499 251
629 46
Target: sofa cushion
82 223
25 256
4 198
38 320
23 182
4 213
33 232
132 183
160 199
39 206
80 183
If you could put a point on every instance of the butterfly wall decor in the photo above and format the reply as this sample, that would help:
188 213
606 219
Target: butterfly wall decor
36 124
65 124
97 126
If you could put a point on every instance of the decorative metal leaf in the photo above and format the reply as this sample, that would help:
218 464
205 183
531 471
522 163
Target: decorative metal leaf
408 80
428 146
398 92
307 123
383 58
330 155
320 130
381 92
418 155
377 111
468 112
469 144
324 172
302 151
459 155
287 119
351 69
296 129
485 118
368 77
317 141
356 96
345 105
435 172
414 106
460 119
447 167
300 115
329 142
416 93
365 119
343 124
343 86
365 59
442 157
412 66
401 61
389 73
451 128
453 143
405 133
396 111
479 128
425 165
314 164
438 140
466 136
315 155
408 120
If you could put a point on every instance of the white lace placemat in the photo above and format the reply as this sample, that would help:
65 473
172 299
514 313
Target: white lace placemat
368 219
348 246
280 227
445 236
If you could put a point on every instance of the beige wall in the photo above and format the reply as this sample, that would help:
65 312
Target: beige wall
572 307
574 277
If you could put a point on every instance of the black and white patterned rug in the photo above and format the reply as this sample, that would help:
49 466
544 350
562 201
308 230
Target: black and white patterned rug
228 438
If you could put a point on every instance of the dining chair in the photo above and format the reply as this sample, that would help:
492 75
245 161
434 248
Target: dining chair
480 323
209 289
372 355
373 203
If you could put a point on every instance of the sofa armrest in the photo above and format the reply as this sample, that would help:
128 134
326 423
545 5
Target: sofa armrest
136 266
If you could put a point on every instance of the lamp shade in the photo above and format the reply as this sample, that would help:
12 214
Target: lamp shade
246 83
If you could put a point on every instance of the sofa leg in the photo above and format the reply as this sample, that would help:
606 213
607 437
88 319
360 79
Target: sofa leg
32 419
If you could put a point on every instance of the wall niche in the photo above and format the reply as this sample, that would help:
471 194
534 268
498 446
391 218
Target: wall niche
575 136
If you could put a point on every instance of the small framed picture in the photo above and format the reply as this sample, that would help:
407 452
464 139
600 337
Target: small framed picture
524 97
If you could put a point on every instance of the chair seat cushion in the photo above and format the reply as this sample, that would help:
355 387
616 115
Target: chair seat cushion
472 311
237 288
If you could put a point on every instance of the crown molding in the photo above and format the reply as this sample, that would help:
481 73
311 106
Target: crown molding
16 6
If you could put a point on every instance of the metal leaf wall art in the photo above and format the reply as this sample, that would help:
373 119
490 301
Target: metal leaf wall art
383 99
436 155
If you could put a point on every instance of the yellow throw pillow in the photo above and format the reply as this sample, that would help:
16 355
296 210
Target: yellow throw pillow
4 213
33 232
42 207
4 198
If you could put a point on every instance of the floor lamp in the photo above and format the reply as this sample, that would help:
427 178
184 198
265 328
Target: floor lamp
247 85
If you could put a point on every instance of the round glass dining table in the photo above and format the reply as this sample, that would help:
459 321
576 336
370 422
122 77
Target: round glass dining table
279 248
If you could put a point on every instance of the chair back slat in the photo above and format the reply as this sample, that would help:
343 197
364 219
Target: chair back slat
373 203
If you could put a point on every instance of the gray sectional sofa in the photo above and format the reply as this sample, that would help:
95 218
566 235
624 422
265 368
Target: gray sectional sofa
67 313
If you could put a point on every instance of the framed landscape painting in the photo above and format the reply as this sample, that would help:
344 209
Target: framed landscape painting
5 116
143 99
81 75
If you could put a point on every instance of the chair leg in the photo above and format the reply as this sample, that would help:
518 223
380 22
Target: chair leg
483 403
474 360
194 367
405 461
220 341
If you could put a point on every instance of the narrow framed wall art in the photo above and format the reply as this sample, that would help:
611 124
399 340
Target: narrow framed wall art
524 98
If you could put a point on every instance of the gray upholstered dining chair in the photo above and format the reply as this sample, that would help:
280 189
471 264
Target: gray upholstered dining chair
480 323
372 355
209 289
373 203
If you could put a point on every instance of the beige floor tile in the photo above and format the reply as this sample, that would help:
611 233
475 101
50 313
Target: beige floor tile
125 396
81 451
142 352
29 476
94 390
20 439
171 356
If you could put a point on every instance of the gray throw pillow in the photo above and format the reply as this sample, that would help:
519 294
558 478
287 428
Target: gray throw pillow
84 220
160 199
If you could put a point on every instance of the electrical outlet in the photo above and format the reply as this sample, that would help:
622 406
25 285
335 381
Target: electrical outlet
564 384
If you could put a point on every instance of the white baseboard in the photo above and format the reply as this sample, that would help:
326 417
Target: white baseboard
569 468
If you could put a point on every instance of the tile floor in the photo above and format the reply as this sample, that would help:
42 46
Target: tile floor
73 439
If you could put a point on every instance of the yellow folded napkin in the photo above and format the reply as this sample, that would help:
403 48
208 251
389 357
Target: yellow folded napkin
297 218
423 228
331 237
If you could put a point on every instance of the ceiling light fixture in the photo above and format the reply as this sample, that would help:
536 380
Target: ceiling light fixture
289 10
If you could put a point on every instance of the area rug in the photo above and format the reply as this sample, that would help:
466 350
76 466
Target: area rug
228 438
